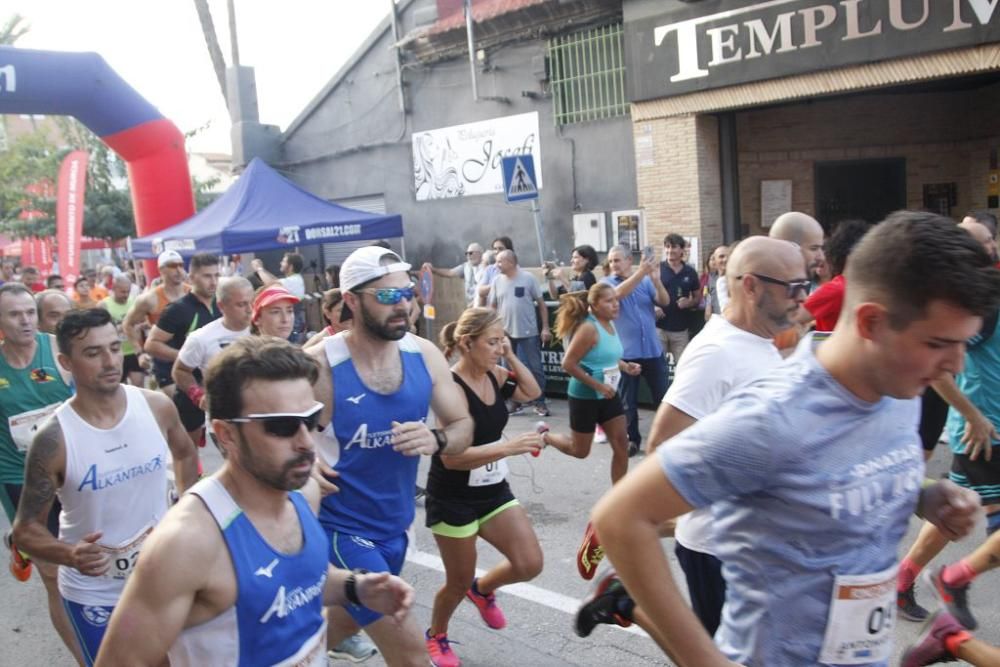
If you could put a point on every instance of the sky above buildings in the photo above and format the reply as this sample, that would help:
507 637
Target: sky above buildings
157 46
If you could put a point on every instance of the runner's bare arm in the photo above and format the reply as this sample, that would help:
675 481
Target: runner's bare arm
414 438
627 520
979 430
182 450
43 475
183 376
176 565
527 386
668 422
156 345
135 317
379 591
323 391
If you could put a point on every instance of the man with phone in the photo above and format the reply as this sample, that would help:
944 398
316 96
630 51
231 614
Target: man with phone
682 283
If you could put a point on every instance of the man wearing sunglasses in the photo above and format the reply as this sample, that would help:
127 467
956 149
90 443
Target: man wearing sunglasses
106 452
237 572
730 351
813 470
469 271
377 386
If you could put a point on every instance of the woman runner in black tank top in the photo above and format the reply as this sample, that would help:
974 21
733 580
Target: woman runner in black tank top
468 494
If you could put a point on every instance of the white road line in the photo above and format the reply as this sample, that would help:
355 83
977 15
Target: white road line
528 592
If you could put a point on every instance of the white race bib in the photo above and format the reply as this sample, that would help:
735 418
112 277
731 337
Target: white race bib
24 426
124 557
613 377
862 615
491 473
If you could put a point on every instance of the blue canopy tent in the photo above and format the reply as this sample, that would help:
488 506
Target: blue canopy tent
265 211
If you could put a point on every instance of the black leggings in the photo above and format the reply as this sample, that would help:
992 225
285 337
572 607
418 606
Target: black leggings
933 415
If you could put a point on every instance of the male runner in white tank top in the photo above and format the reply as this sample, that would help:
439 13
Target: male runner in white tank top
104 453
238 573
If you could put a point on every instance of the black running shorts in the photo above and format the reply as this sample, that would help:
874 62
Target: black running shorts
586 413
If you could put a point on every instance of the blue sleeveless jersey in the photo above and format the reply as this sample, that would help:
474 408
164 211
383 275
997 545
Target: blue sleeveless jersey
376 482
278 615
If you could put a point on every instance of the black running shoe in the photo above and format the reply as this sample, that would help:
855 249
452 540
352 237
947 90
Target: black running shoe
906 603
602 605
954 598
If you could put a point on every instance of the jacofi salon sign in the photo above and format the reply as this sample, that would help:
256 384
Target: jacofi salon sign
464 160
699 45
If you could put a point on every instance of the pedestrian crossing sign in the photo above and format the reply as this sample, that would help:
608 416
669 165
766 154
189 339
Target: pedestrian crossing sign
519 178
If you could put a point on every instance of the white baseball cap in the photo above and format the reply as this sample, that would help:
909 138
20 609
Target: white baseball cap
169 257
367 264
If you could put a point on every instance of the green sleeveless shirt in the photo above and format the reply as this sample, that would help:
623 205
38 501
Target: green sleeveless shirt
27 397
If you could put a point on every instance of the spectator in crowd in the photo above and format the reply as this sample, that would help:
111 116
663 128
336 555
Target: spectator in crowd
469 271
497 245
638 290
517 297
332 276
583 261
681 282
717 271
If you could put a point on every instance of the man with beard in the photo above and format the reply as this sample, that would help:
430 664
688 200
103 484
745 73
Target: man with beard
768 283
237 572
376 395
105 454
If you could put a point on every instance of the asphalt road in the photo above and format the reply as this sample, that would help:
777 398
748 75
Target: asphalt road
558 493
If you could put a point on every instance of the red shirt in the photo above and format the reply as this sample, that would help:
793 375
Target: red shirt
825 303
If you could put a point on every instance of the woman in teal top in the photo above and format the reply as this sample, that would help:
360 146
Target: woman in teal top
593 359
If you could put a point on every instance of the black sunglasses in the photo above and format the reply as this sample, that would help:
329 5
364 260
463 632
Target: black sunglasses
792 289
284 424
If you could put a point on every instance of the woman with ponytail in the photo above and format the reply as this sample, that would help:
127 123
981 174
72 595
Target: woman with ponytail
593 360
467 494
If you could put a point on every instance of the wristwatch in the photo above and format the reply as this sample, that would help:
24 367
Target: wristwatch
442 438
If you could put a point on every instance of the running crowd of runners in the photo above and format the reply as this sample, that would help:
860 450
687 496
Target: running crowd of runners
785 459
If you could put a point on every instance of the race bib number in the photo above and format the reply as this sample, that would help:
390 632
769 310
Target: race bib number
124 558
862 615
24 426
613 377
491 473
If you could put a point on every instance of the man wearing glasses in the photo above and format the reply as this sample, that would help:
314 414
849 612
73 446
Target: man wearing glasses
106 452
768 284
470 271
237 572
377 386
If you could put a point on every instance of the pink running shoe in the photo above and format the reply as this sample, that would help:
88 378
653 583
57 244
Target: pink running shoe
929 647
439 648
487 606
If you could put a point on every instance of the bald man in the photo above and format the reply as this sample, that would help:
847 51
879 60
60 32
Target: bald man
804 231
982 234
52 306
767 283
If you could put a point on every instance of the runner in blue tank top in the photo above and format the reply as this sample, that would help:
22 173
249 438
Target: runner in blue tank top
237 572
812 471
378 391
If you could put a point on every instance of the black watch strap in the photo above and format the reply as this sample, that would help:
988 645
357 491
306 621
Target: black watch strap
351 586
441 437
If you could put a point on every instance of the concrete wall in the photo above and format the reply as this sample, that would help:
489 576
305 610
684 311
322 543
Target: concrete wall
943 136
356 142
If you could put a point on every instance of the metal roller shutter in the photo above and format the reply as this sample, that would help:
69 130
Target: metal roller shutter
334 254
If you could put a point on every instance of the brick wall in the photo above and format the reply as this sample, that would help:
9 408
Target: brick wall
677 173
943 136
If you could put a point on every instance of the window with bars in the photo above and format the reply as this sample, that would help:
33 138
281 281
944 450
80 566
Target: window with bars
587 75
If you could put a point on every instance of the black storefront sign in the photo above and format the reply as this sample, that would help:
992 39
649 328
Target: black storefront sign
675 47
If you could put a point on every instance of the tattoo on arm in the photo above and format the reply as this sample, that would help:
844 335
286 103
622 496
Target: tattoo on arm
39 477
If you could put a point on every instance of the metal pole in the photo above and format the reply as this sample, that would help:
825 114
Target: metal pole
472 49
537 213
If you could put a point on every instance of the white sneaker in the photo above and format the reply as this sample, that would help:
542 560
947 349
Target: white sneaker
355 648
600 437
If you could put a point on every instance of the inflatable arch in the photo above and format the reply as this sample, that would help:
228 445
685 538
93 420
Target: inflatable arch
82 85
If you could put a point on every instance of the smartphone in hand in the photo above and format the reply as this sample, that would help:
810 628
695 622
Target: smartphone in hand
647 253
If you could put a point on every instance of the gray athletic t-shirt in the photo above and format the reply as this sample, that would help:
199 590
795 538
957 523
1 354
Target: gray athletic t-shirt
515 300
806 482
